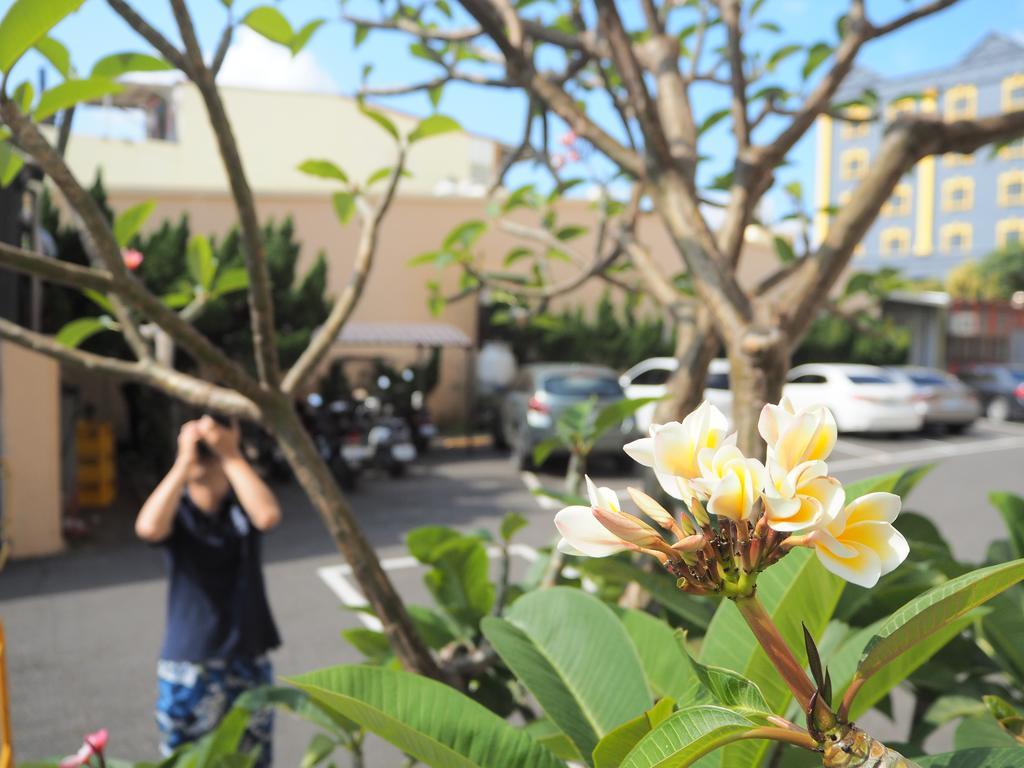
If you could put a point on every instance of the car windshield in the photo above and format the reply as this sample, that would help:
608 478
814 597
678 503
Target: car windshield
926 379
869 378
582 385
718 381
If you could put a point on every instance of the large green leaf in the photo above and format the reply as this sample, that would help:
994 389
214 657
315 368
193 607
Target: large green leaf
129 221
10 163
901 482
117 64
71 92
56 53
730 689
1011 507
433 126
975 758
222 742
687 736
271 23
382 120
666 664
75 333
459 580
573 654
26 23
325 169
984 731
797 590
200 262
933 611
613 748
230 280
1002 629
426 719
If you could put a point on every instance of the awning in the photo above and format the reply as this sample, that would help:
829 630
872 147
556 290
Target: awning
403 335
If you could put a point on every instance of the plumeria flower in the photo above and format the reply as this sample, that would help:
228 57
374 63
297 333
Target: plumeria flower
132 258
860 544
672 450
802 499
568 138
730 482
93 745
795 437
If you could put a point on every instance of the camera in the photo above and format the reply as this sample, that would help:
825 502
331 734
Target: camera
202 449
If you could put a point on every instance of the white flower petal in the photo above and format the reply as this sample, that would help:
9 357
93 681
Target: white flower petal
863 569
641 451
585 534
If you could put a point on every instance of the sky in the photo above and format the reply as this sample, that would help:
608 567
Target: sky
331 63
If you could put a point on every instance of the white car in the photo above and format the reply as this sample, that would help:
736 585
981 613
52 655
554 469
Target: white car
649 378
863 398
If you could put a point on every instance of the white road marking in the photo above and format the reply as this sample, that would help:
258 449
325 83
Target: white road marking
857 450
1003 428
930 452
336 578
533 485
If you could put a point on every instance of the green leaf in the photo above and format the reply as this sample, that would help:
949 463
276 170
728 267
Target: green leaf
1011 507
543 731
794 591
382 120
24 95
570 233
71 92
130 221
781 55
230 280
543 450
983 731
433 126
99 300
344 206
56 53
816 56
613 748
220 743
933 611
11 162
373 645
325 169
459 579
271 23
949 708
901 482
435 93
667 666
613 415
297 702
511 523
589 681
200 262
75 333
319 749
359 35
301 38
974 758
117 64
728 688
426 719
465 234
686 736
26 23
712 120
1002 629
784 250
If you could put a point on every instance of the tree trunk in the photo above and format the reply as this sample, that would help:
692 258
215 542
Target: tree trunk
315 478
696 345
755 379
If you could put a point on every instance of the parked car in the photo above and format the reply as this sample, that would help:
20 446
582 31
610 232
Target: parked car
943 400
1000 388
540 392
649 378
863 398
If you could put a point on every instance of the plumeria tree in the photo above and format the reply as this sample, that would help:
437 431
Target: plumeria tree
645 86
151 325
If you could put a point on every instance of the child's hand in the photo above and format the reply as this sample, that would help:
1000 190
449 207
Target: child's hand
188 443
222 440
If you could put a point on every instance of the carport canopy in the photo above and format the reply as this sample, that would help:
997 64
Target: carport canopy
403 335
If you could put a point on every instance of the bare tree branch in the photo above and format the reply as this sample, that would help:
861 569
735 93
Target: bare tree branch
222 47
346 303
261 308
166 48
191 390
730 10
54 270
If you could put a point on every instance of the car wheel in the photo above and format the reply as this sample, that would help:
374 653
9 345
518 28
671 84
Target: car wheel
498 433
998 409
959 429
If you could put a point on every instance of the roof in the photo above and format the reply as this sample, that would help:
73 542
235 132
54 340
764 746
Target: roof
403 335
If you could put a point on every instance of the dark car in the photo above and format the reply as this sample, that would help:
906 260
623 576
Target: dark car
1000 388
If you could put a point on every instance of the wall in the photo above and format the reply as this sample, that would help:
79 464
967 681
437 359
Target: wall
30 423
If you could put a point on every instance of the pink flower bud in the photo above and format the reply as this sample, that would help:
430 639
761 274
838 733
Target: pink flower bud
568 138
557 161
132 258
574 156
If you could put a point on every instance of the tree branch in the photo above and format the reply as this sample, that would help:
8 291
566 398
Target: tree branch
346 304
222 47
261 307
166 48
56 271
195 391
730 10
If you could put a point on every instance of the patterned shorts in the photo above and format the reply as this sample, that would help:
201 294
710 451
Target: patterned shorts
193 698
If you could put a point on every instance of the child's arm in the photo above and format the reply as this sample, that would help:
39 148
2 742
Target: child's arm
254 496
156 518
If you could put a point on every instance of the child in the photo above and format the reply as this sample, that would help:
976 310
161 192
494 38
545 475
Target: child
208 514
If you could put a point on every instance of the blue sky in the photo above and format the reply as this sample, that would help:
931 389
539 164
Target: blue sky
331 63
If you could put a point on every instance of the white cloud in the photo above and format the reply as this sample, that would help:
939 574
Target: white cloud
255 62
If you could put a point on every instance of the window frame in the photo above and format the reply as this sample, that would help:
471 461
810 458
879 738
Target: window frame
1005 226
900 233
962 229
1010 84
905 192
1004 180
860 126
965 91
861 156
950 186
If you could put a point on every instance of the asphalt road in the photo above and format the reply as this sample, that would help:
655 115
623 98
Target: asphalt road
84 628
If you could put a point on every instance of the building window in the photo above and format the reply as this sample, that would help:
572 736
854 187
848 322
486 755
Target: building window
1013 150
961 102
1010 232
857 127
903 106
898 203
853 164
958 194
954 159
1013 92
955 237
895 241
1011 188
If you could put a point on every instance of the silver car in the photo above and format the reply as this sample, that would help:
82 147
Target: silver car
941 398
540 392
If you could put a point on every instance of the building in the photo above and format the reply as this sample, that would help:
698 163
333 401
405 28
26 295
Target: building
947 209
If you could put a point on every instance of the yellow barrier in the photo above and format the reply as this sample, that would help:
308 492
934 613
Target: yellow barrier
6 738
